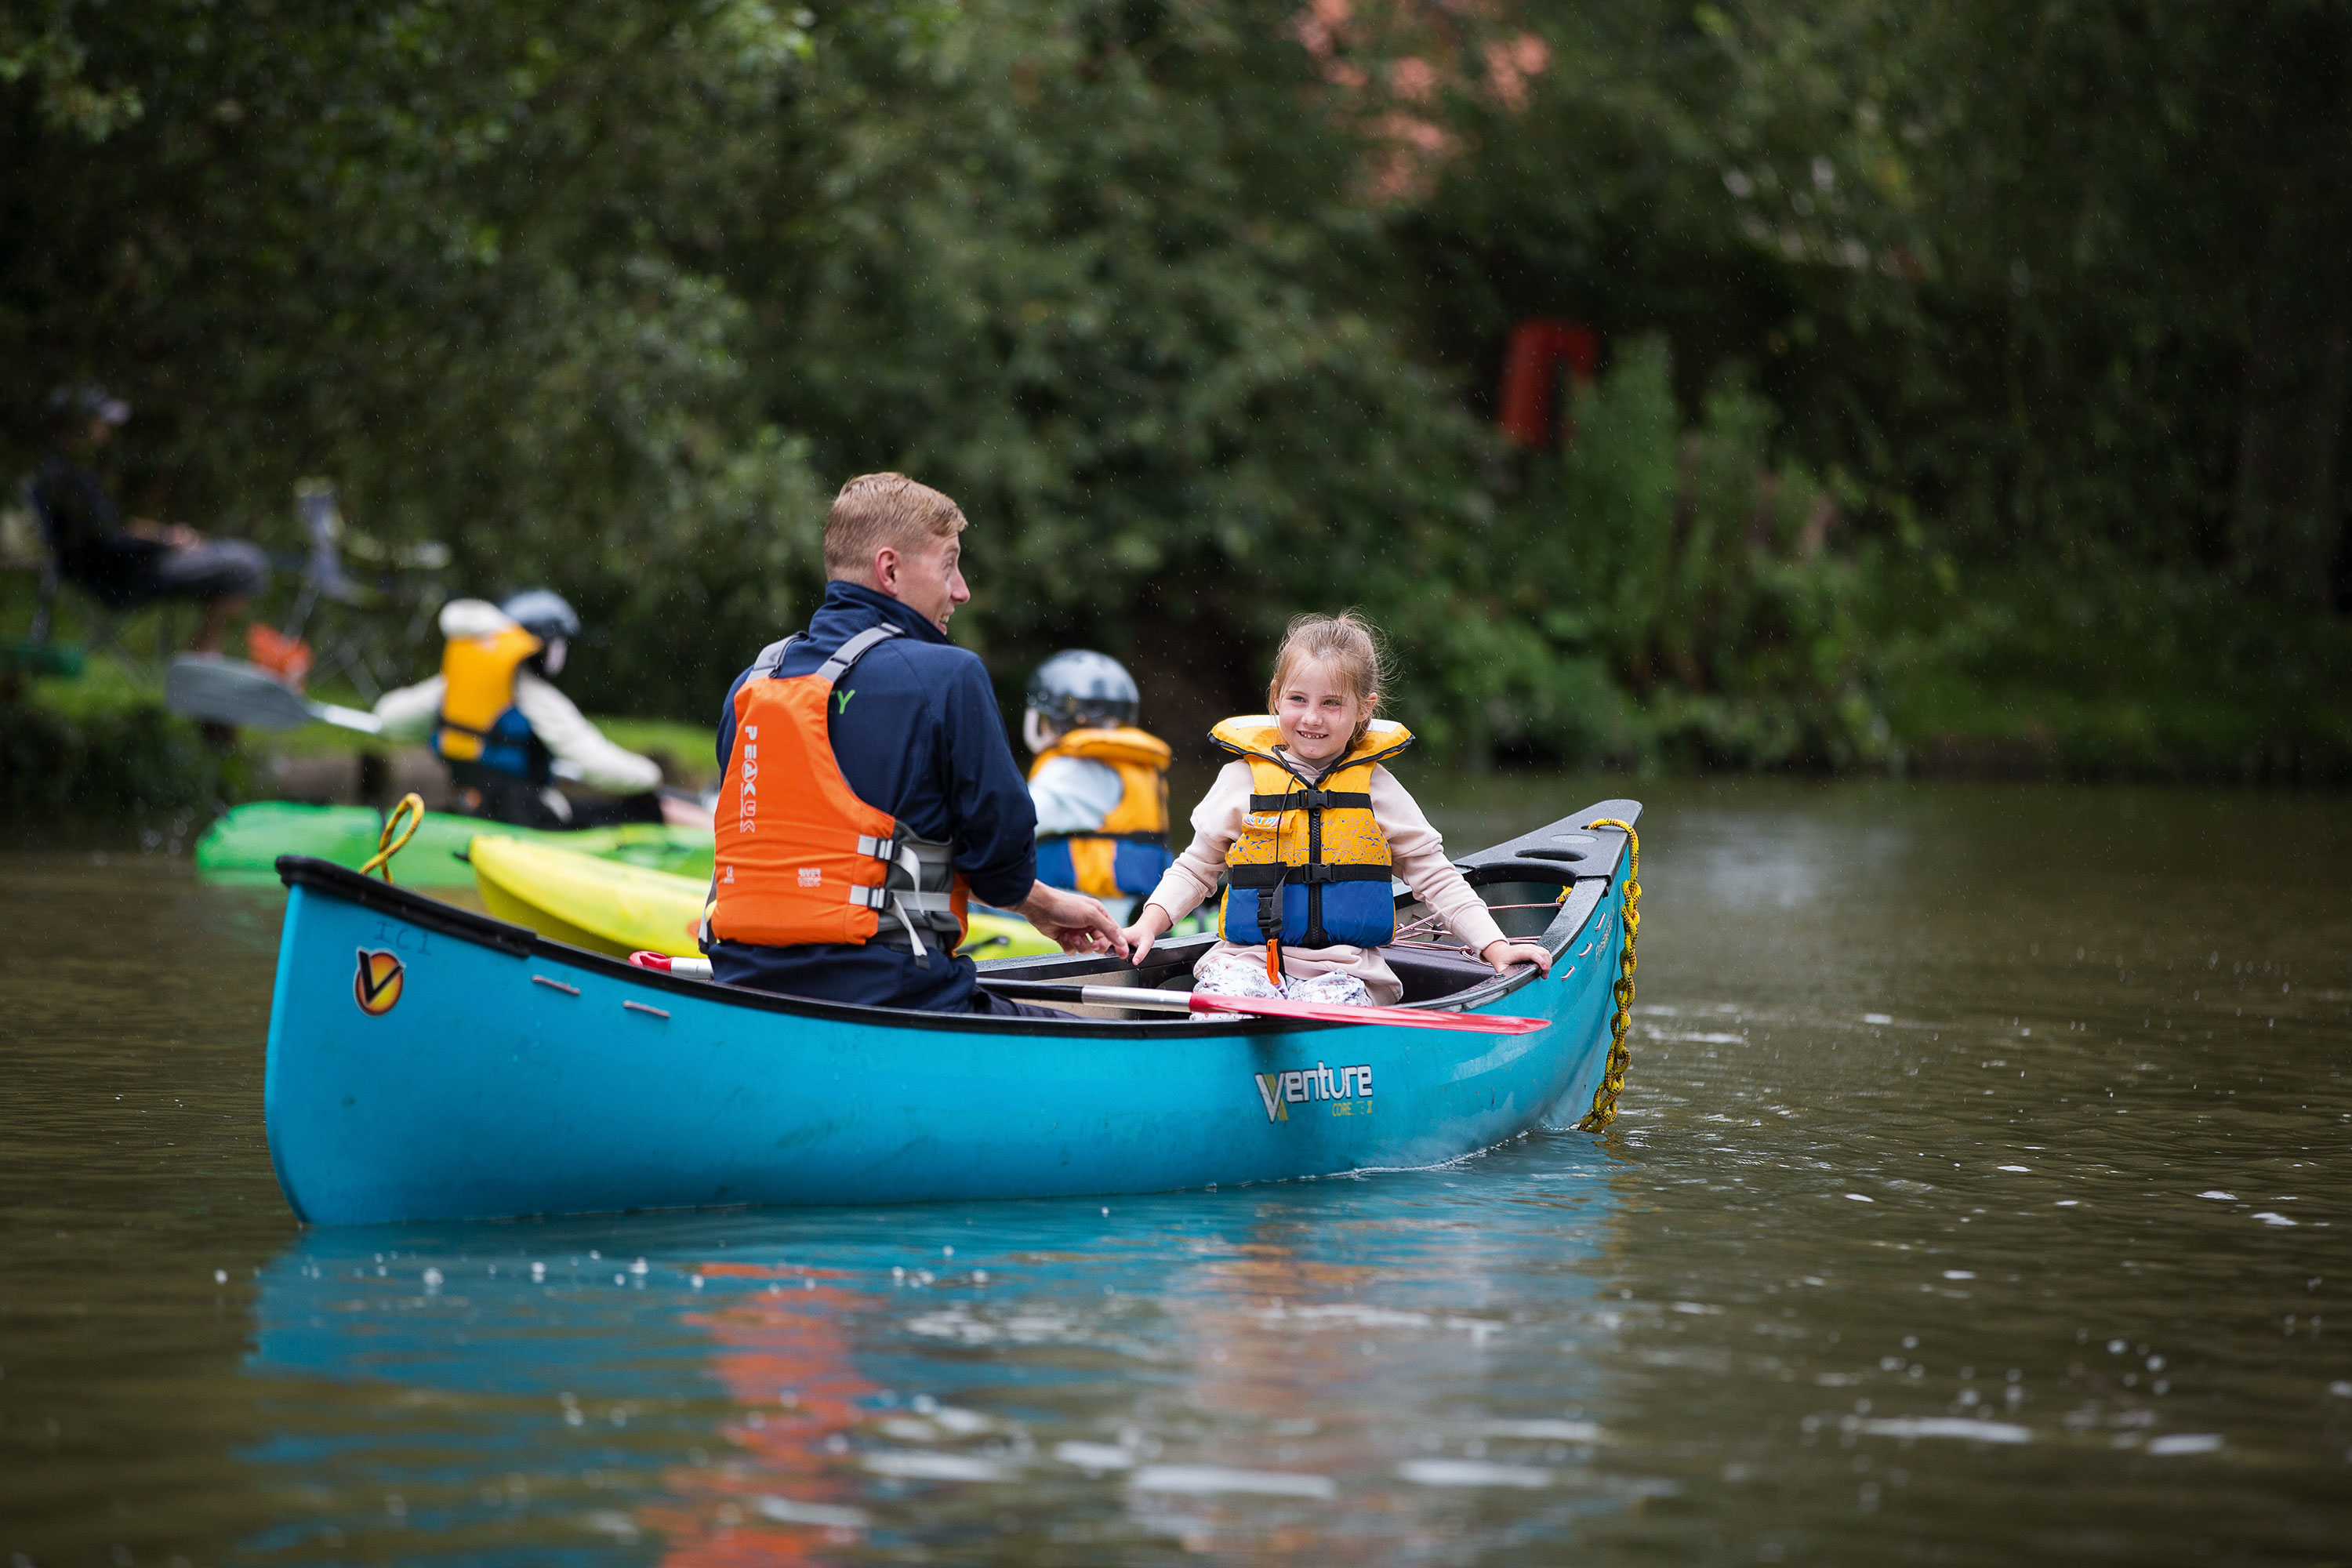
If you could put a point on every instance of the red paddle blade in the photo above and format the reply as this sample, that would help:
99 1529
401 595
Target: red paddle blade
1334 1013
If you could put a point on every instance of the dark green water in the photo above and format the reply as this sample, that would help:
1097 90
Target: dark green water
1981 1197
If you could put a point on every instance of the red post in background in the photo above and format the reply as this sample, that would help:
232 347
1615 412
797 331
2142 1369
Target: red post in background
1532 362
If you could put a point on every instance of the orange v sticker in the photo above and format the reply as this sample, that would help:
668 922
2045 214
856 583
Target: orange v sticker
376 985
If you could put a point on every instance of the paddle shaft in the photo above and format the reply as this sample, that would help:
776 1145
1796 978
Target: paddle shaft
1264 1007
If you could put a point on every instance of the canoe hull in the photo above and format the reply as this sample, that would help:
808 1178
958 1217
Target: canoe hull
509 1077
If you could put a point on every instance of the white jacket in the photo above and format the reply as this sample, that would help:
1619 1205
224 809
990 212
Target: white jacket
410 713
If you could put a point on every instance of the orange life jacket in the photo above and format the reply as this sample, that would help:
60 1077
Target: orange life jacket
1129 854
800 858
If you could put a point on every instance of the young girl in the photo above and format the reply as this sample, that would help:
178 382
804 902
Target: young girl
1307 827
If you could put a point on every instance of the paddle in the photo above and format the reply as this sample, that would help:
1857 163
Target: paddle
231 691
1192 1002
1265 1007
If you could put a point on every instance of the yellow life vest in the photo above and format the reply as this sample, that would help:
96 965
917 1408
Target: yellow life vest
1310 866
1129 854
480 724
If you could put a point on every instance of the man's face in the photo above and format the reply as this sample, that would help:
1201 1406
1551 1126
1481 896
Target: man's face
928 578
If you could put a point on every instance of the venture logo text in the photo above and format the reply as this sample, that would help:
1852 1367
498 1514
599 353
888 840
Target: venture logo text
1281 1091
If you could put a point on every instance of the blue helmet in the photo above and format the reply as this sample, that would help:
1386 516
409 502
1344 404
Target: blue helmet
542 613
1079 686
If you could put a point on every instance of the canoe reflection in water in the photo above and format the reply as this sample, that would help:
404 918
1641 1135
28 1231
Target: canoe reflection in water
1297 1371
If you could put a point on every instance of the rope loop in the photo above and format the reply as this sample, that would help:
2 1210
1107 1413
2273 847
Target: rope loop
412 806
1613 1076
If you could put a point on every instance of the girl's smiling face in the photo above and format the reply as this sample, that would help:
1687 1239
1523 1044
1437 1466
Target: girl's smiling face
1317 710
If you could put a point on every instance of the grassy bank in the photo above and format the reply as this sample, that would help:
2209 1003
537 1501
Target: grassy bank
2041 674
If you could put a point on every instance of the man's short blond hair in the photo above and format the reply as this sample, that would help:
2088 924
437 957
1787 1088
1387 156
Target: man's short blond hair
877 509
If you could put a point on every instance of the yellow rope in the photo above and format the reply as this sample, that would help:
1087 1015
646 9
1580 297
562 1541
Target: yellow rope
411 807
1612 1078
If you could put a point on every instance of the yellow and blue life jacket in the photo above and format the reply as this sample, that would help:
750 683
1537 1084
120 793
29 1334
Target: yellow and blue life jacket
1129 854
480 726
1310 866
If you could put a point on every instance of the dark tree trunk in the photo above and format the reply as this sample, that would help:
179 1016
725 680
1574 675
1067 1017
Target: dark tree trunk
2288 519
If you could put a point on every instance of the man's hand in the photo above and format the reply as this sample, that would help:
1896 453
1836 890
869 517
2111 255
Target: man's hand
1502 954
1077 921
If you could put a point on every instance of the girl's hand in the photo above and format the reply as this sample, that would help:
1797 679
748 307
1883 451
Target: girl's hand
1149 927
1501 954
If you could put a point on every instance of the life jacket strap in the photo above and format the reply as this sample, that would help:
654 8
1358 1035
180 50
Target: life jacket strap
1276 876
772 658
1313 800
850 652
916 908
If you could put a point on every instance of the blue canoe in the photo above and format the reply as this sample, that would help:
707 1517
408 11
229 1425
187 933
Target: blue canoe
427 1062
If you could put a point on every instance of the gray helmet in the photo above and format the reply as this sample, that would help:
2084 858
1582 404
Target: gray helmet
1079 686
543 613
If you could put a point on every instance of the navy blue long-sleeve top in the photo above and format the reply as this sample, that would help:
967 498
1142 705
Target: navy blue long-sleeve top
919 736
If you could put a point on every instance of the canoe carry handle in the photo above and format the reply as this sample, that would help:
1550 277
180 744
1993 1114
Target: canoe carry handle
412 806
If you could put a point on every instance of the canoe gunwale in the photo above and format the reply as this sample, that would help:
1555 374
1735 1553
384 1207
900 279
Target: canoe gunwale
1504 862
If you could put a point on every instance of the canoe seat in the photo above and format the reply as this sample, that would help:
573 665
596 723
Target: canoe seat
1428 974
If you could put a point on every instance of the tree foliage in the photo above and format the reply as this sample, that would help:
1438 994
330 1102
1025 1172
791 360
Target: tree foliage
1198 305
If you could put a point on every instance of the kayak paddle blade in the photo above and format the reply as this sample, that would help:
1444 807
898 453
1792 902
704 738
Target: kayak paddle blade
230 691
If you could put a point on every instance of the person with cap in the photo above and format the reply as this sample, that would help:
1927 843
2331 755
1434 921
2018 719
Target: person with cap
497 719
1099 785
125 564
870 793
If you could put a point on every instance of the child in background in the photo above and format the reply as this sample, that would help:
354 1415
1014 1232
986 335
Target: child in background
1099 785
1307 827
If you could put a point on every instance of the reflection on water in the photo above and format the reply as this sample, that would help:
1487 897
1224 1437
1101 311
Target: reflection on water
1217 1370
1979 1196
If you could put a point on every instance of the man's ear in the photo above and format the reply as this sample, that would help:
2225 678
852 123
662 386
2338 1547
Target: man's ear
885 570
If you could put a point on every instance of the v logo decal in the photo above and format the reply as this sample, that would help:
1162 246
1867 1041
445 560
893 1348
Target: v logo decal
1269 1090
377 983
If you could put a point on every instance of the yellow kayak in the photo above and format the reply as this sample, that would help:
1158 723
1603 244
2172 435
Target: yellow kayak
611 906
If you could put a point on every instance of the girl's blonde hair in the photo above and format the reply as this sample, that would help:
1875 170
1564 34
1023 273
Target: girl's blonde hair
1354 649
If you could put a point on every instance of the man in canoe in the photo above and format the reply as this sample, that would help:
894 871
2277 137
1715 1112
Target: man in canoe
1099 785
869 791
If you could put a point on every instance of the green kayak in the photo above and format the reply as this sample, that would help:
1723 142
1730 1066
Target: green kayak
245 843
